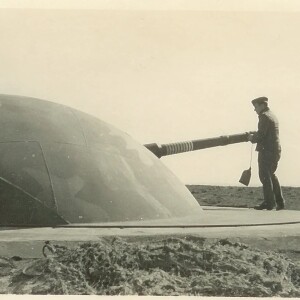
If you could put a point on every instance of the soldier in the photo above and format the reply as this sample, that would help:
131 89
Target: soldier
269 151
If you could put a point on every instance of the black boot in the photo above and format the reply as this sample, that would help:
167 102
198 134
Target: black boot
264 205
280 204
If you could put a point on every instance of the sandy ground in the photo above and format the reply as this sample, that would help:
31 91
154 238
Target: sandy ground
240 196
164 265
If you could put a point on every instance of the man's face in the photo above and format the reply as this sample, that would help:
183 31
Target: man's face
258 107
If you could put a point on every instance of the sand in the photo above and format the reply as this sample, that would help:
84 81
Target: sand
233 196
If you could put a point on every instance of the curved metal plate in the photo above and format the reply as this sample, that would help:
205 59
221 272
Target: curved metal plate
82 168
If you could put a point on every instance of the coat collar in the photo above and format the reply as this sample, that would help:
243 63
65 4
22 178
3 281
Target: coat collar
264 110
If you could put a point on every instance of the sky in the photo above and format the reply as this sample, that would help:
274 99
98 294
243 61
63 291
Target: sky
164 71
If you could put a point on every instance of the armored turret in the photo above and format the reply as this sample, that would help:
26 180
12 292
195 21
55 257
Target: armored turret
62 166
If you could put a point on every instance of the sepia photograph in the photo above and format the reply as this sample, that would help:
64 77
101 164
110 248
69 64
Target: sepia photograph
150 148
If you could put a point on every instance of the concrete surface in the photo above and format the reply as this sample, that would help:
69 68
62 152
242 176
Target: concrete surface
266 229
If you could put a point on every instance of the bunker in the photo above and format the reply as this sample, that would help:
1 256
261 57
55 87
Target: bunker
62 166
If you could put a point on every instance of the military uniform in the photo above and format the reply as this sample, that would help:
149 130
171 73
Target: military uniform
269 152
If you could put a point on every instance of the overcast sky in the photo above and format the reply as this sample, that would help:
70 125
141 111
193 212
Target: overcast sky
164 72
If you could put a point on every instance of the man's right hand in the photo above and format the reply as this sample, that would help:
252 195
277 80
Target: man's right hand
250 137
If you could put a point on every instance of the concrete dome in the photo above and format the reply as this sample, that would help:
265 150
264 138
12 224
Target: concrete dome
59 165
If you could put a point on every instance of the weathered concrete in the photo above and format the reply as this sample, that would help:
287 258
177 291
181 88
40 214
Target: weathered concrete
281 230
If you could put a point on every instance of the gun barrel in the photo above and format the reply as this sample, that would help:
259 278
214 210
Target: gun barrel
193 145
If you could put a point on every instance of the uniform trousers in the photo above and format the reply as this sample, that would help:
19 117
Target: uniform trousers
267 165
